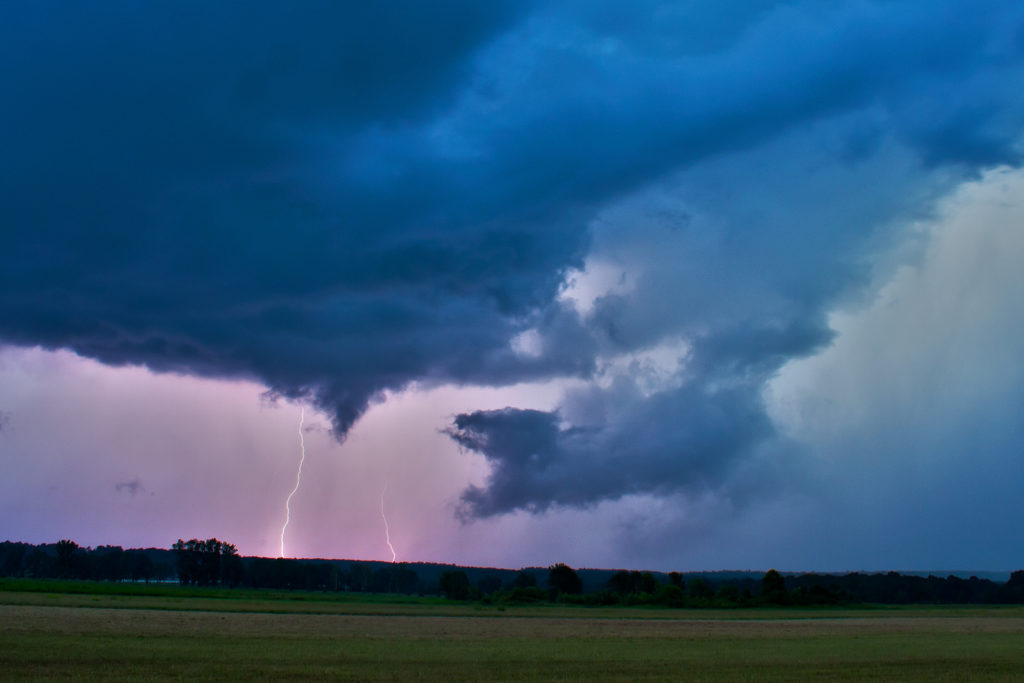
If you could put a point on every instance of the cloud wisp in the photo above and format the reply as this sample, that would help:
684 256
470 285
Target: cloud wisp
131 487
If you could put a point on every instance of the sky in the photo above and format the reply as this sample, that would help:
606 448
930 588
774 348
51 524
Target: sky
663 285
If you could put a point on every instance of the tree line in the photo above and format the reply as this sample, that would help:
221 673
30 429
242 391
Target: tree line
67 560
212 562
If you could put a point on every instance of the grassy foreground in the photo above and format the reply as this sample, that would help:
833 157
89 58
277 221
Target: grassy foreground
109 635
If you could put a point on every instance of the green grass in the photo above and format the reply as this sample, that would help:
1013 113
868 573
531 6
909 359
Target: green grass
178 591
123 632
112 658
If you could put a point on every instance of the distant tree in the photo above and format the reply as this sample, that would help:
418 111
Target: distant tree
140 567
13 557
563 579
335 578
186 557
200 562
632 583
671 595
622 582
1013 590
109 565
701 590
66 551
380 581
359 576
312 576
209 561
524 579
727 595
676 579
232 570
454 584
164 571
527 594
773 587
41 564
260 573
489 584
405 579
393 578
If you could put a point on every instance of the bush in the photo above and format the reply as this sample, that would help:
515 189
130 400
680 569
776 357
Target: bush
670 595
528 594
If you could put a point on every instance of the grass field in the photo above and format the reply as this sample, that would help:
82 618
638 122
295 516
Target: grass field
130 633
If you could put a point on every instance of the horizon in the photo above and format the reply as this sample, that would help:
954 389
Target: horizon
981 573
674 286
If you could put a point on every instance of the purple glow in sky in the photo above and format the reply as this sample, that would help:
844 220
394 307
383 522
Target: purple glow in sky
670 286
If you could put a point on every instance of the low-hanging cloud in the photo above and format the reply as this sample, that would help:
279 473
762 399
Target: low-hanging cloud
338 201
685 440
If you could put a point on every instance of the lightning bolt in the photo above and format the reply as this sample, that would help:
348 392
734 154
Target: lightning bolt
298 479
387 531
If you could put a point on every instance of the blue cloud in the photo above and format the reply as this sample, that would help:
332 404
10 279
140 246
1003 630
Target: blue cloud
339 200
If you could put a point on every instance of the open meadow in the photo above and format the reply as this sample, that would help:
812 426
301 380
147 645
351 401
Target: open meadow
207 635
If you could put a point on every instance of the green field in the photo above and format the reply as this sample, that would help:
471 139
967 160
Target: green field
112 631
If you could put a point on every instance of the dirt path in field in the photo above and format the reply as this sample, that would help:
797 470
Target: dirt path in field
144 622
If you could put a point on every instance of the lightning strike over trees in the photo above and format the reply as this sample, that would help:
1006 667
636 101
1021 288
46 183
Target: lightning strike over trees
387 530
298 479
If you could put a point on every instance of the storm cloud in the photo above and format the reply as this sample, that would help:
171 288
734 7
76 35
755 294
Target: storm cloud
337 201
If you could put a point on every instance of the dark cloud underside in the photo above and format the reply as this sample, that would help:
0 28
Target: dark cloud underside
338 199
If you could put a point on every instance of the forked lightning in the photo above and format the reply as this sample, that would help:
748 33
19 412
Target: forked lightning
387 531
298 479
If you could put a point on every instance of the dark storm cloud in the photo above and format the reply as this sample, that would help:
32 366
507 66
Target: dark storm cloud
686 438
763 240
337 199
682 440
184 189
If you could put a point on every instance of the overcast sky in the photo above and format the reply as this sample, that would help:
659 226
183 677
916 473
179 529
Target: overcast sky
665 285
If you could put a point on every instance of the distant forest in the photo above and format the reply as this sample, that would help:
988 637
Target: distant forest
215 563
